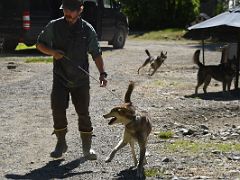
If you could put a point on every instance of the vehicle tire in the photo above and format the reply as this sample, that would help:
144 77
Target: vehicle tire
119 38
9 45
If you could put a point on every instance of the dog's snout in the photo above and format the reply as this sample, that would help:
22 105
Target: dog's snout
106 116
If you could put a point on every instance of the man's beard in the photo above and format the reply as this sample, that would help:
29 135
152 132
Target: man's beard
71 20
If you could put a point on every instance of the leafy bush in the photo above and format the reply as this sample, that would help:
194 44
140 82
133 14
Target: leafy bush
155 14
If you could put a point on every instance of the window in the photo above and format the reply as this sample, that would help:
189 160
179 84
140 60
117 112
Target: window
95 1
107 3
39 5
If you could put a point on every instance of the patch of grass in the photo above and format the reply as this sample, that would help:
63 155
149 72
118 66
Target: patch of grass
22 46
161 83
39 60
195 147
166 34
153 172
173 84
166 135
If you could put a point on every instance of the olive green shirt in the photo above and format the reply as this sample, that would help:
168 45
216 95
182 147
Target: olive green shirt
47 35
76 42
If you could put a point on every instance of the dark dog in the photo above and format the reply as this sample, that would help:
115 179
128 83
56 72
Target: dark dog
137 128
155 62
224 73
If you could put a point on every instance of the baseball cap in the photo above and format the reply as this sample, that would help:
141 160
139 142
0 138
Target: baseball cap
71 4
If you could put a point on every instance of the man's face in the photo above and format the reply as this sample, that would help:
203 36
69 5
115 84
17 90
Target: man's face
71 16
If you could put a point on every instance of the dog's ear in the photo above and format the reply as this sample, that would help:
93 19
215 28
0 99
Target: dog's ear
163 54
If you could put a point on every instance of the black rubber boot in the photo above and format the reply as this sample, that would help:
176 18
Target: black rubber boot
61 146
88 153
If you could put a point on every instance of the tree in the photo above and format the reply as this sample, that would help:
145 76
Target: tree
156 14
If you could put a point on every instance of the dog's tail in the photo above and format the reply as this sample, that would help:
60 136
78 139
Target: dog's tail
196 58
127 98
147 52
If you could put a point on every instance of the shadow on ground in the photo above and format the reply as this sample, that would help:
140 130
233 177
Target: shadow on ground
52 170
127 174
218 96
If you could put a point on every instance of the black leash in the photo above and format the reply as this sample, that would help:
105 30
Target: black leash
80 68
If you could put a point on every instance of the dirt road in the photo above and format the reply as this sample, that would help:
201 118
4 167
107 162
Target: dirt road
26 122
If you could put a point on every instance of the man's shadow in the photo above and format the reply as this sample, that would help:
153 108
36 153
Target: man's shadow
53 169
218 96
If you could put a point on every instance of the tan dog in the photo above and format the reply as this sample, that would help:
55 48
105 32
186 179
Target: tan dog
155 62
137 128
224 73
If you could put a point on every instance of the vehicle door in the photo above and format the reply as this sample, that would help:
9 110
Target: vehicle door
91 14
108 20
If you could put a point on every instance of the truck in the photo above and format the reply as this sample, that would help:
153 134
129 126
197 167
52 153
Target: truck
22 20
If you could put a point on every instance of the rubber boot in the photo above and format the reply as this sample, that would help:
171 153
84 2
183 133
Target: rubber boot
61 146
88 153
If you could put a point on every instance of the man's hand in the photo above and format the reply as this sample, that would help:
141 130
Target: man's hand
58 54
103 81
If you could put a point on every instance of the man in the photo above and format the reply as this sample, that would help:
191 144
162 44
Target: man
68 40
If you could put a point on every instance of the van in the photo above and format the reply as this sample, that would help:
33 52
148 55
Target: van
22 20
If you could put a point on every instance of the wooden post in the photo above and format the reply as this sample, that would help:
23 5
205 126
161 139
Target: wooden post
203 52
238 62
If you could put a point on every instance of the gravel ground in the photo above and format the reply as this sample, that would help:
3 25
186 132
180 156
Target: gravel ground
26 122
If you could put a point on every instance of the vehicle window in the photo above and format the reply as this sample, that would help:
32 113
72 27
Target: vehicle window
107 3
40 5
95 1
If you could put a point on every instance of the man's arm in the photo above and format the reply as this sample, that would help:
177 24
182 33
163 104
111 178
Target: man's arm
46 50
44 42
100 65
95 50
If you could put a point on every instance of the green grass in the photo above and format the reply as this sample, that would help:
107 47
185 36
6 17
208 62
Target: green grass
22 46
166 135
161 83
153 172
173 84
166 34
188 146
39 60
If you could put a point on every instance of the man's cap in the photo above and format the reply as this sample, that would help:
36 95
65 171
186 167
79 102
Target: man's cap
71 4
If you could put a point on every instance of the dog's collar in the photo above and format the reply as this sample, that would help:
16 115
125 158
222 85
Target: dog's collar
137 118
134 120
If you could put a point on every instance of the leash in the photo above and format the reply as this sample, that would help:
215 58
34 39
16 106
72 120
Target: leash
80 68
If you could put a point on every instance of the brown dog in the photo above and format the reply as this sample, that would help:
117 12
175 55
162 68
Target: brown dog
137 128
155 62
224 73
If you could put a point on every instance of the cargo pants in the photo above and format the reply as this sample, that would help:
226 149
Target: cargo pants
60 101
